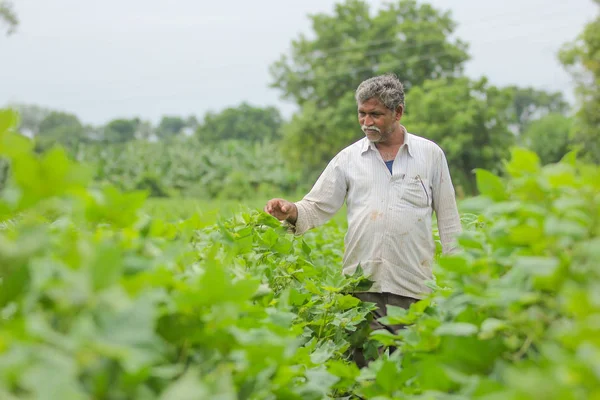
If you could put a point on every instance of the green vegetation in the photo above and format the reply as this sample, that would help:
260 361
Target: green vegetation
103 298
227 152
228 170
582 58
135 260
7 16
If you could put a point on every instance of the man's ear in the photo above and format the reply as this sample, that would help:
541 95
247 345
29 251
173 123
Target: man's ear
399 112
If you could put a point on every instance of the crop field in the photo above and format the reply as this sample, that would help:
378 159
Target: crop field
107 295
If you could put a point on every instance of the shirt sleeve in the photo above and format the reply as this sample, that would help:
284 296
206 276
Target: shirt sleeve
325 198
444 205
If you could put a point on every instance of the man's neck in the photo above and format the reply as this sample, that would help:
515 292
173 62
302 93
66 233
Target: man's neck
394 140
389 148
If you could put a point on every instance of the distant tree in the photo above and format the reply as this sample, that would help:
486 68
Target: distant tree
8 16
410 38
243 122
530 104
120 130
582 58
467 119
192 122
145 130
30 116
549 137
170 126
59 128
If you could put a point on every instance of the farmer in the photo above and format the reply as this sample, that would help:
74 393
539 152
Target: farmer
392 181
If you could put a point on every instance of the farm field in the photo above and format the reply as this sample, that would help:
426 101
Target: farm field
106 295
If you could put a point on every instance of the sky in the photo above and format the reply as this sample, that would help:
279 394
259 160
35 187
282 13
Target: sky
146 58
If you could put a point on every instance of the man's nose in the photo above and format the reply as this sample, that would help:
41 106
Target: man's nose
368 120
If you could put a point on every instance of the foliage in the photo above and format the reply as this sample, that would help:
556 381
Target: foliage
229 169
582 58
315 134
99 300
30 117
8 16
549 137
170 126
515 315
244 122
352 44
60 128
529 104
467 119
120 130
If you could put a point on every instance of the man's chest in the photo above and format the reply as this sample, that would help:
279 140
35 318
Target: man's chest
371 185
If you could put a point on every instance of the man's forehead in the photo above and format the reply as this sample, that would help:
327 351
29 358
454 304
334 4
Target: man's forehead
371 104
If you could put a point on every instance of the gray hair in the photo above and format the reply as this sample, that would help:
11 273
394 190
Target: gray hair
387 88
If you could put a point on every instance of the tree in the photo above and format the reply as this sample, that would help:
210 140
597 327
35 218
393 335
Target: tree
120 130
467 119
144 130
582 58
244 122
8 16
320 75
549 137
170 126
530 104
60 128
30 117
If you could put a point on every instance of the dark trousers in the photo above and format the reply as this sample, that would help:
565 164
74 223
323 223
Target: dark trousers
381 300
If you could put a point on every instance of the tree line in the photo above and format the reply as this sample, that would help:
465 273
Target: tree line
474 121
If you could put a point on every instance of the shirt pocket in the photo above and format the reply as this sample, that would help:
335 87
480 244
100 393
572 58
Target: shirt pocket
417 193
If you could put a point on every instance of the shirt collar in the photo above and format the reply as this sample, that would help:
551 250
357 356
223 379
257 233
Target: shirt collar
366 145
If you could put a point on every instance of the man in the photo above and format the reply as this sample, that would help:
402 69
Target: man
392 181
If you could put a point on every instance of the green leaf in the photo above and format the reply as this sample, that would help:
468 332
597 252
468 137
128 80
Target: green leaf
384 336
323 352
490 326
522 162
8 121
475 204
347 301
319 381
537 266
387 377
14 285
306 248
563 227
456 329
107 267
490 185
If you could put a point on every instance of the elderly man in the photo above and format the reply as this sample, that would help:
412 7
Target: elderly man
392 181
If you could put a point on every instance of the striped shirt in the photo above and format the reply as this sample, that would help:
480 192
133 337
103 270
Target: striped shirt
389 214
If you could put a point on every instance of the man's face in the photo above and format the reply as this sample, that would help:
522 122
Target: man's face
376 120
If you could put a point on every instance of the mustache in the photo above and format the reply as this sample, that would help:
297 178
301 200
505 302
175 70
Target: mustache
370 128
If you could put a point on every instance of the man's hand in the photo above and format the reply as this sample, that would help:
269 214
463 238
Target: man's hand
282 210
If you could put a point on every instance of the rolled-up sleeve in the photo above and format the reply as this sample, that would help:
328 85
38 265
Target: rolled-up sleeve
444 205
324 199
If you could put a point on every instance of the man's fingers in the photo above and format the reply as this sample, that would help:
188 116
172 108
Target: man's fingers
278 207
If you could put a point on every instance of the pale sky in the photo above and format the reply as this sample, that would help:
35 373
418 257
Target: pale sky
147 58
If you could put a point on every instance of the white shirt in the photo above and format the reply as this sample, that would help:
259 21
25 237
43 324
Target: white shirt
389 215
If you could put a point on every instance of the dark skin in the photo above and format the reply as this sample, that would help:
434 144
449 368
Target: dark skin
381 126
373 113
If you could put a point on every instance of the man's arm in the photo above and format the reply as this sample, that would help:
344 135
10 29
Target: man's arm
444 205
320 204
